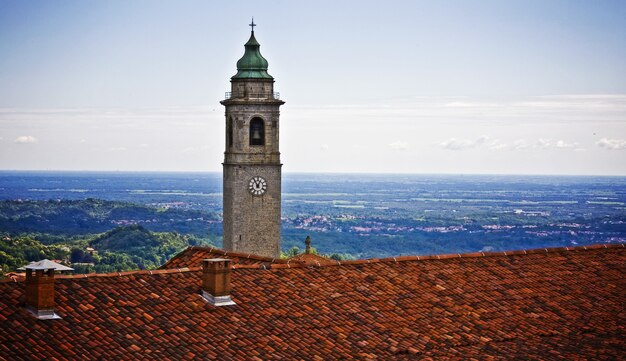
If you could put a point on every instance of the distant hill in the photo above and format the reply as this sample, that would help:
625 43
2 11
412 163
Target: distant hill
73 217
146 249
137 241
125 238
120 249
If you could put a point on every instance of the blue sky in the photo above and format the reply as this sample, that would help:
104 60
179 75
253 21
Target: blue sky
535 87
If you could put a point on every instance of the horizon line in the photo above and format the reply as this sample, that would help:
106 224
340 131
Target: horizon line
310 172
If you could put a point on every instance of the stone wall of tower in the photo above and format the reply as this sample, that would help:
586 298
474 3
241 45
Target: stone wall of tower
252 223
252 89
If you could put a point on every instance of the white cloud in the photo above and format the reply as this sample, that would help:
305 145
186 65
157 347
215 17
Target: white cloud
324 147
612 144
82 141
520 144
562 144
460 144
26 139
543 143
496 144
399 145
551 143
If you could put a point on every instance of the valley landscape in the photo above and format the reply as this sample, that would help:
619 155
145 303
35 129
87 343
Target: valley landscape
116 221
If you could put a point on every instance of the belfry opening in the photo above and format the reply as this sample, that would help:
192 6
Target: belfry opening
257 131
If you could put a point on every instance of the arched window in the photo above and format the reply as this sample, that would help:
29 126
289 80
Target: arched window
230 133
257 132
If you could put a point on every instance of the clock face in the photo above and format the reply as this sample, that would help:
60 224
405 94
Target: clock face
257 186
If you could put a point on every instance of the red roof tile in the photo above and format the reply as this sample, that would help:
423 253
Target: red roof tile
547 304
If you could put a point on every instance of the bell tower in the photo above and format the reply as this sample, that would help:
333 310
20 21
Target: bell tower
252 168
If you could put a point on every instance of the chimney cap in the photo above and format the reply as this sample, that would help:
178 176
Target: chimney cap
216 259
45 264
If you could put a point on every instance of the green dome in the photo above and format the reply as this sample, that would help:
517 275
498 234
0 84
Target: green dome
252 64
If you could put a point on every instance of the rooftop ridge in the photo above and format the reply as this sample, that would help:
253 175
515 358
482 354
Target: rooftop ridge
442 256
132 273
225 253
473 254
396 259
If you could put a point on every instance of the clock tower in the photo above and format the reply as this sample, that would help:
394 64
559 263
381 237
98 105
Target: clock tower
252 168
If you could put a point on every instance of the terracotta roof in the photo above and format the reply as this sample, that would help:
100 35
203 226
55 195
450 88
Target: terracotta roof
193 256
311 259
16 276
565 303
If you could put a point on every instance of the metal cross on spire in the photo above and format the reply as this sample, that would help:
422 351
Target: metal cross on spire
252 24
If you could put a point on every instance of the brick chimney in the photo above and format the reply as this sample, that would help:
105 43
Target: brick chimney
216 281
40 292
